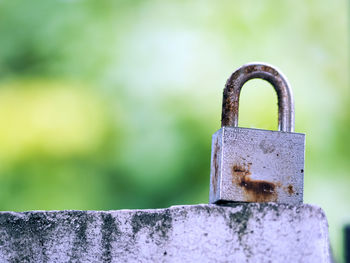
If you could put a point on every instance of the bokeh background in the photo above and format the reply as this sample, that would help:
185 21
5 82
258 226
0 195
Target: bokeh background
112 104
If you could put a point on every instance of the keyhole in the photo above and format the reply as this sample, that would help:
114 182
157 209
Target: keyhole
258 106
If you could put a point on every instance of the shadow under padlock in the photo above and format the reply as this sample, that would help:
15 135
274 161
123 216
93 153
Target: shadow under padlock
254 165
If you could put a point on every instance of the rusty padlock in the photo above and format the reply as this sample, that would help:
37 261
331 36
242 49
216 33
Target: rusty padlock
255 165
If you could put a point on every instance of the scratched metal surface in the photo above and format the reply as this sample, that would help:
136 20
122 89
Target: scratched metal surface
252 165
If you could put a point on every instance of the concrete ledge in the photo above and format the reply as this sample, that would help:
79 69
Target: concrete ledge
248 232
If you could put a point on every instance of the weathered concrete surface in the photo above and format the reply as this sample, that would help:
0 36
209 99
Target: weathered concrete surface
199 233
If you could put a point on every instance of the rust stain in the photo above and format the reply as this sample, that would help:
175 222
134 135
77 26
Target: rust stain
229 107
215 176
239 78
241 170
249 70
290 189
254 190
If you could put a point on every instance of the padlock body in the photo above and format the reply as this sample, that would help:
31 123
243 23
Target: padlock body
253 165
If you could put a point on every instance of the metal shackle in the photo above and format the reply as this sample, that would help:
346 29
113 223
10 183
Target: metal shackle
230 103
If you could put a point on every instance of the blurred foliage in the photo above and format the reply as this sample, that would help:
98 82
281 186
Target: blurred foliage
112 104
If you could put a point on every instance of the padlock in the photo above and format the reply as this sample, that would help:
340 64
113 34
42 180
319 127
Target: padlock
255 165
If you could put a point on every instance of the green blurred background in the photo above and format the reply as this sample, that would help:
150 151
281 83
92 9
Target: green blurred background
112 104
